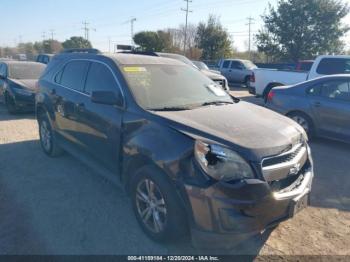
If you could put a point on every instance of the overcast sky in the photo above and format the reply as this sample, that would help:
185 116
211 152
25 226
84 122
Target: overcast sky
28 20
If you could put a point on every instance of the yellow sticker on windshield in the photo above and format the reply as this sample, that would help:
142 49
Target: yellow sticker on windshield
134 69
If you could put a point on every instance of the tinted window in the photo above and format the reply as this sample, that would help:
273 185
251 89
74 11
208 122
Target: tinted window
314 91
100 78
332 66
226 64
339 90
74 75
236 65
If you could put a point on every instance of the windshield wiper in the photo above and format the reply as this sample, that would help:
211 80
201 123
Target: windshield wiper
175 108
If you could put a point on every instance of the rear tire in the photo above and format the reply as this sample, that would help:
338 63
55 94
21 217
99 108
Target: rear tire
304 121
246 81
48 139
10 104
157 206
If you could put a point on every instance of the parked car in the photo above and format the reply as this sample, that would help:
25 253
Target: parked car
263 80
320 106
190 156
237 71
18 84
213 75
44 58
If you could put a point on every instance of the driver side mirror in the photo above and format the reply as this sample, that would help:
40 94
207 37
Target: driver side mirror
107 98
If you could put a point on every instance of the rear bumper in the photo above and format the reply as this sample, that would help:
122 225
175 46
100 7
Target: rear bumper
226 214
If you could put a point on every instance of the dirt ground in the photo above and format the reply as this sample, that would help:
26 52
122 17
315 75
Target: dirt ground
60 206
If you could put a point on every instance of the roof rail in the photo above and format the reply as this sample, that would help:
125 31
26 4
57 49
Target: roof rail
133 52
81 50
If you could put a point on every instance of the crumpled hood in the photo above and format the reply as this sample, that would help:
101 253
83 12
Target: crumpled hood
29 84
252 130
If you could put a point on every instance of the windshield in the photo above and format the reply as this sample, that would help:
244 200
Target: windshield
201 65
249 65
157 87
25 71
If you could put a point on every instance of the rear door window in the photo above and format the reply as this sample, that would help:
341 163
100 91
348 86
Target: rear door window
100 78
236 65
332 66
73 75
226 64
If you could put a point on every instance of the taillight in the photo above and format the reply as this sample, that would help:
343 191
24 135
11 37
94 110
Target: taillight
252 78
270 95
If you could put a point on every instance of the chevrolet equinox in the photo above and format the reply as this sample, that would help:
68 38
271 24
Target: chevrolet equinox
193 158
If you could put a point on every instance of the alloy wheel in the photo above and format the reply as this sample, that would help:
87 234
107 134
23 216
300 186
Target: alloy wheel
302 122
45 136
151 206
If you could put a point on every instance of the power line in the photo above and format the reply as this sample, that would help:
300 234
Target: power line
187 10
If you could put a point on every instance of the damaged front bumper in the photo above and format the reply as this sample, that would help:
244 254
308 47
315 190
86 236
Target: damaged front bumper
226 214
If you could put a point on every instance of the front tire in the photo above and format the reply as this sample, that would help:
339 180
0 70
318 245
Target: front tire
157 206
304 121
48 140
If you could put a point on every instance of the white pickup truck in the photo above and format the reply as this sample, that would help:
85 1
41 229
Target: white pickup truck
263 80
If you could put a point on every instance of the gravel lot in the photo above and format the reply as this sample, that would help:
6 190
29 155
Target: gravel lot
60 206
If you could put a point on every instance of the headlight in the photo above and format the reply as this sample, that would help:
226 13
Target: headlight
22 92
221 163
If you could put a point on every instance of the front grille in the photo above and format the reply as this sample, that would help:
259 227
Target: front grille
282 158
288 164
220 82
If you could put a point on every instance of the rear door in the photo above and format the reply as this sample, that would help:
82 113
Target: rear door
69 86
99 126
332 106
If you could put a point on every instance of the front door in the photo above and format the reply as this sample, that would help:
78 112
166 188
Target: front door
100 126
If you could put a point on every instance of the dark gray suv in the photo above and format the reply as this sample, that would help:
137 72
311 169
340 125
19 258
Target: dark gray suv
191 157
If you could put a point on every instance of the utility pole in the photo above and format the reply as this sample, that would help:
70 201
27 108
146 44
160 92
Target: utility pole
187 10
43 35
87 30
250 23
52 34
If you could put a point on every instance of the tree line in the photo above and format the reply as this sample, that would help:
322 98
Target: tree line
44 47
